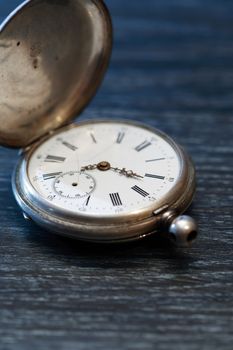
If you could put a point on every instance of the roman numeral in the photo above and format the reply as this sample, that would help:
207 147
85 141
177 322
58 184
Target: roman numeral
154 160
54 159
140 191
142 146
93 138
51 176
88 200
115 198
155 176
120 137
68 145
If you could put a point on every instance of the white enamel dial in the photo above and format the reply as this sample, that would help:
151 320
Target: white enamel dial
104 169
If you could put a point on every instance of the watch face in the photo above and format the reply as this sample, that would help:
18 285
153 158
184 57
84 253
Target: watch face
104 169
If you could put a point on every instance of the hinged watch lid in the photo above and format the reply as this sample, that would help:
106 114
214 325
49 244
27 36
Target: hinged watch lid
53 56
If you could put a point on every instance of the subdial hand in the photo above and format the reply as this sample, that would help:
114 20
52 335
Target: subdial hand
105 166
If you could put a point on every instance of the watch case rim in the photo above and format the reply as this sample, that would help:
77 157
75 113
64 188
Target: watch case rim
113 229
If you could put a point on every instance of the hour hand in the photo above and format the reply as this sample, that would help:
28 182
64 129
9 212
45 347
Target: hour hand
127 173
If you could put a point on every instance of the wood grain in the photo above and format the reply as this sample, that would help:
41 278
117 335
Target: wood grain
172 67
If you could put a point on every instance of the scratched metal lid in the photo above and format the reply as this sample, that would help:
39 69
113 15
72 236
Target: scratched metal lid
53 56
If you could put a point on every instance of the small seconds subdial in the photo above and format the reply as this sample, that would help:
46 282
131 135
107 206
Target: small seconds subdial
74 184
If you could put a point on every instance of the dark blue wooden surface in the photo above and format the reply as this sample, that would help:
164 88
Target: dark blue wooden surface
172 67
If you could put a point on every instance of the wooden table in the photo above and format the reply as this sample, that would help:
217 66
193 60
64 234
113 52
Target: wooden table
172 67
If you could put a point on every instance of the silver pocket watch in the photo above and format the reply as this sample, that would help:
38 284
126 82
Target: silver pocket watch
100 180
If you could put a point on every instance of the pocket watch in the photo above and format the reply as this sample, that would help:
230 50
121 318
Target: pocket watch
99 180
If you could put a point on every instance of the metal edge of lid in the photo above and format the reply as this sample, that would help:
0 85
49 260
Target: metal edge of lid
45 78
